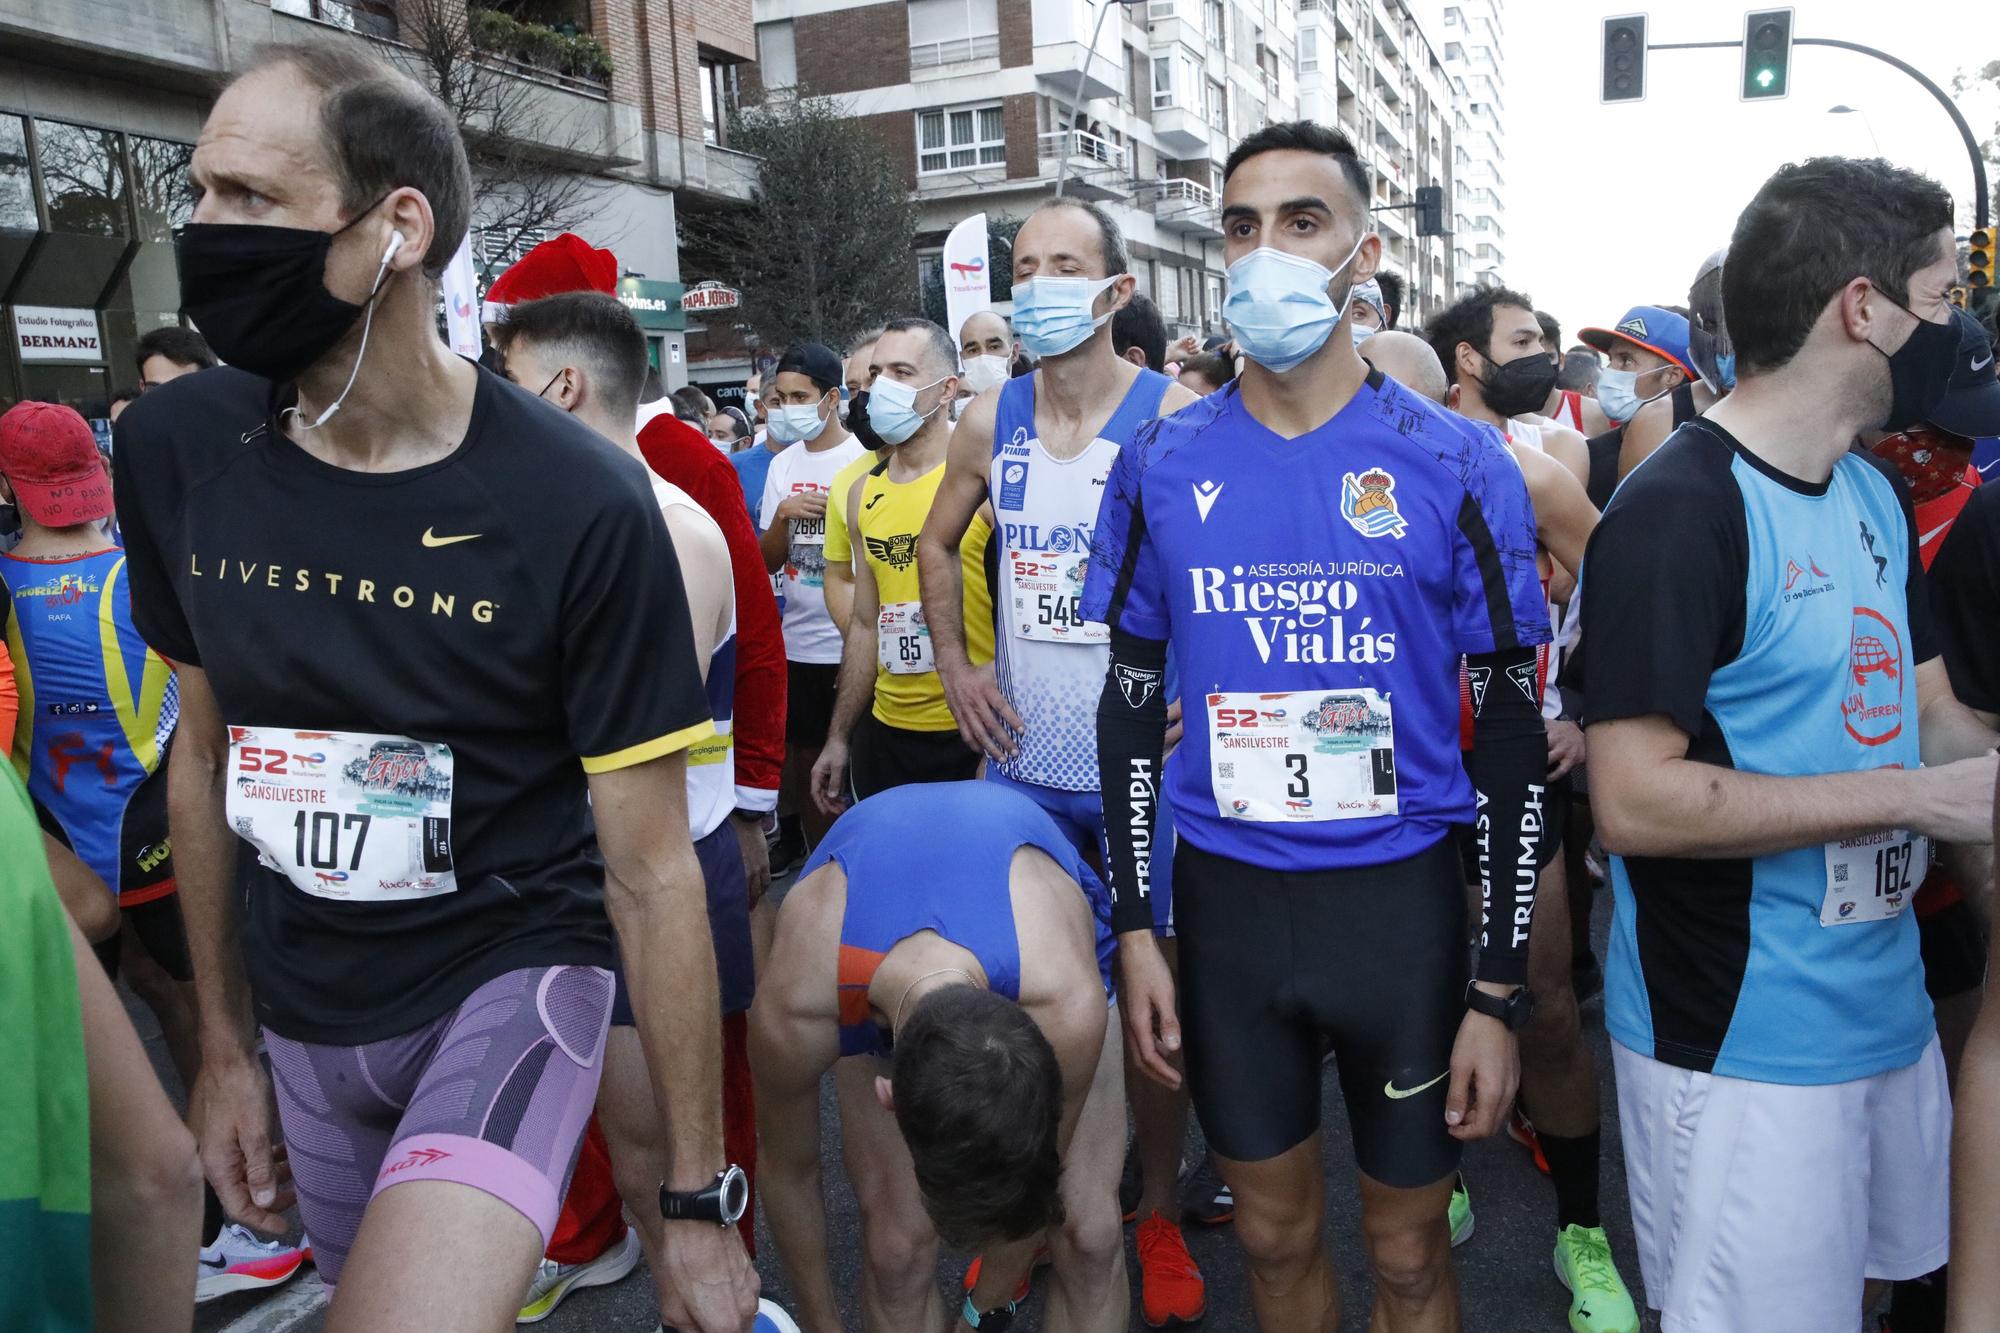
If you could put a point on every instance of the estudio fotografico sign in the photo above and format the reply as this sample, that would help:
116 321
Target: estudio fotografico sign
56 333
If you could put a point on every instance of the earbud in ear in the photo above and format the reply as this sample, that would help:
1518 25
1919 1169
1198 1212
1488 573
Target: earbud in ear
395 244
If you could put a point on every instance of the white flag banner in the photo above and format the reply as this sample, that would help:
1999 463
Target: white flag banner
461 301
967 289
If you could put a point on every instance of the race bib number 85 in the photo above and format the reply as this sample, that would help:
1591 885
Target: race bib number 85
1302 757
903 640
345 815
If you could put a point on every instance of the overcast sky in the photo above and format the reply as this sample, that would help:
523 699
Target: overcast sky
1612 206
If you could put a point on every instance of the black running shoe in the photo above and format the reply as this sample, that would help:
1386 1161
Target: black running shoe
788 850
1205 1197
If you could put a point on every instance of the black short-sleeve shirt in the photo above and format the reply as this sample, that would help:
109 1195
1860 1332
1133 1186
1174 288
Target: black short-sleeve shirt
516 602
1965 599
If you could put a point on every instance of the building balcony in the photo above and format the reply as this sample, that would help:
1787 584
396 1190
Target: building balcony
1390 135
1186 206
1058 64
1095 167
177 38
1181 132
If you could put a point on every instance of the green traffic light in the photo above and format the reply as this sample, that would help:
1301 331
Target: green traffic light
1765 78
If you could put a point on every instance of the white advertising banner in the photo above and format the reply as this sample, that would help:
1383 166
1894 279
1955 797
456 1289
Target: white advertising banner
461 301
966 281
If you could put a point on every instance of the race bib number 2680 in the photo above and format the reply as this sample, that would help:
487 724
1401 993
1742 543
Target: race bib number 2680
345 815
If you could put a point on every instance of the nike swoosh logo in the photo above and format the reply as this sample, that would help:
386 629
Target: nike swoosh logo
431 538
1978 366
1926 538
1396 1094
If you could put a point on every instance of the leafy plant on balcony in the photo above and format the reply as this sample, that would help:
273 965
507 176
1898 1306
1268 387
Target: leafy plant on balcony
578 55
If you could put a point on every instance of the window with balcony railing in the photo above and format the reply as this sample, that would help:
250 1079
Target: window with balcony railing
960 137
952 32
372 18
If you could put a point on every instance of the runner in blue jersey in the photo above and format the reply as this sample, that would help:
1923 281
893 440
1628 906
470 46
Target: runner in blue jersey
947 953
1040 449
1320 546
1761 687
98 712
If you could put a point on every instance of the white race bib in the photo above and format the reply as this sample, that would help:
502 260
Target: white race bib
1045 594
345 815
1873 877
903 640
1302 757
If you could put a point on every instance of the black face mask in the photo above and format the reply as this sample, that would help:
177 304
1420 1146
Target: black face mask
258 294
1920 370
1520 386
857 423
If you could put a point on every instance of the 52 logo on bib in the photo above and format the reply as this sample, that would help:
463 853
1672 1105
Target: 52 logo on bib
1305 756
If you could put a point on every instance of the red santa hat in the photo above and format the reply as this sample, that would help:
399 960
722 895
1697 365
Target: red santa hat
565 263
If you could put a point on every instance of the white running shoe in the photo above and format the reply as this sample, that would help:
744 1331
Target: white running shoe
240 1261
554 1281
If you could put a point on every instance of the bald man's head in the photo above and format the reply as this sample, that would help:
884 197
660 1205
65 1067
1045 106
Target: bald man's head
1408 360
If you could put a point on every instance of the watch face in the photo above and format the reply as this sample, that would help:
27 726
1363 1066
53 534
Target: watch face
735 1189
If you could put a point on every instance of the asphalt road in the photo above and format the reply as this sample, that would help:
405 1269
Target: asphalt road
1504 1271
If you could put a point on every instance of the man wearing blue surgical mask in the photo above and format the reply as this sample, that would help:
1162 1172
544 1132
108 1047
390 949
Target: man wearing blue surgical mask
802 415
890 725
1320 545
1041 449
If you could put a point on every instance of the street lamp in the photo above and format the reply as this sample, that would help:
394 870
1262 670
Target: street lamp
1076 103
1844 110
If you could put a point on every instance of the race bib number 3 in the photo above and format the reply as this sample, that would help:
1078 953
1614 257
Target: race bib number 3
345 815
1045 593
1872 877
1302 757
903 640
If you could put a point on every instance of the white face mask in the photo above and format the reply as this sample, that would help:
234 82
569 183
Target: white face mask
989 371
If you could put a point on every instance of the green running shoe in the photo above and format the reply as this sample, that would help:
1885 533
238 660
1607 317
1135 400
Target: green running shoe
1461 1212
1598 1302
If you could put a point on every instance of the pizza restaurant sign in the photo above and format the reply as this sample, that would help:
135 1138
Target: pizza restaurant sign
711 296
55 333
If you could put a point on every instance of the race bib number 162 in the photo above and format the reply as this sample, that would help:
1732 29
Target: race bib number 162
345 815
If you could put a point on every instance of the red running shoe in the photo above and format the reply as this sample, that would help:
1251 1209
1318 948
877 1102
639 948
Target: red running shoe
1171 1290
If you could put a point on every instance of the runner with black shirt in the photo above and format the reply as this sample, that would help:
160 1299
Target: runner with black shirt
1321 545
430 632
1762 687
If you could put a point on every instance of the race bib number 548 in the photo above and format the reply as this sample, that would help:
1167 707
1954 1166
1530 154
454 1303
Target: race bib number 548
345 815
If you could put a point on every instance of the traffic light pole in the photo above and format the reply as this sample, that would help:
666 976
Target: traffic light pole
1979 196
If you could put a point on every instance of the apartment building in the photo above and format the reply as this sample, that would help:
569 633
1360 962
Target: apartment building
1472 32
1369 67
101 100
1135 106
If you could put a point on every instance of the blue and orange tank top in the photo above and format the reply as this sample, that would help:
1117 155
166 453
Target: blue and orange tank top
937 856
98 708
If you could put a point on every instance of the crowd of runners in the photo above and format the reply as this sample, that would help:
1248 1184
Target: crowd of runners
1136 731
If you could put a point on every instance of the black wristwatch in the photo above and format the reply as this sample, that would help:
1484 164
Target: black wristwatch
722 1203
1516 1010
997 1320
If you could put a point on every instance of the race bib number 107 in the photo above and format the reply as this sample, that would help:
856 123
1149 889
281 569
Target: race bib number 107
345 815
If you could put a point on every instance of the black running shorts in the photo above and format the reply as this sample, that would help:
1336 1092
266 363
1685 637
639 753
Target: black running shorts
881 756
1273 964
809 692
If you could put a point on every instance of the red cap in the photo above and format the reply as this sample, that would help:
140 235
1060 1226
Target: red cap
50 458
565 263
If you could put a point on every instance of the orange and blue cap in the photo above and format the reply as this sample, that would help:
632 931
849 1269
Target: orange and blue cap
1650 328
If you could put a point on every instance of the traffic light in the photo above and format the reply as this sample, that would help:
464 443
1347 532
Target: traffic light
1430 210
1979 259
1767 54
1624 59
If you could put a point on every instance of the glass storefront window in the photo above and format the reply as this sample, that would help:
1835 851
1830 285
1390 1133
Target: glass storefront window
83 178
17 191
160 187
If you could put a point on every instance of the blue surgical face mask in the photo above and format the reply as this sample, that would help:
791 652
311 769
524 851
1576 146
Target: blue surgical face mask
790 423
1052 315
1618 392
1278 306
892 408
